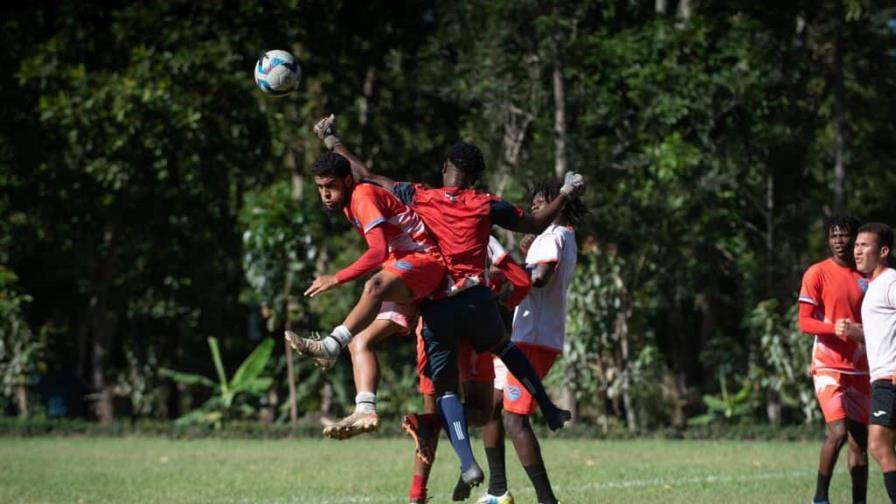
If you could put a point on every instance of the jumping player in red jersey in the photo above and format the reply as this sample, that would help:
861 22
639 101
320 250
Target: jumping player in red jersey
832 290
510 283
412 266
460 220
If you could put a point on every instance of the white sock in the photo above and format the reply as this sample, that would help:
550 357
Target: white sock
337 340
366 402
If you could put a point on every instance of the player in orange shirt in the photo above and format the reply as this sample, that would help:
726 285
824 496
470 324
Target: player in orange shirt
412 268
832 290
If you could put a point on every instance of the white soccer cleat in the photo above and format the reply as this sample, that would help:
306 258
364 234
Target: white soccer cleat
506 498
313 348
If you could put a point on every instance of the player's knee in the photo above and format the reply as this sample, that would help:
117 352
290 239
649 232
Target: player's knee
836 433
880 449
515 425
375 288
445 382
477 417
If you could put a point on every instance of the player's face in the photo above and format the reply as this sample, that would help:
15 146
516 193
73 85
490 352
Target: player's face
840 241
868 253
538 202
334 191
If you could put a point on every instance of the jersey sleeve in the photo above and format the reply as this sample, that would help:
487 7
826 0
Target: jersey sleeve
891 294
368 208
547 248
405 192
503 213
810 290
496 252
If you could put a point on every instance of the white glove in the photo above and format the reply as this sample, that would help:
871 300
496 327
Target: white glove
326 131
573 184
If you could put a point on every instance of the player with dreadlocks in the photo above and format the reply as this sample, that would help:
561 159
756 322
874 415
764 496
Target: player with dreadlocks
539 327
460 219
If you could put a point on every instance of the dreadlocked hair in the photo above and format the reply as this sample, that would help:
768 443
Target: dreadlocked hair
467 157
842 221
573 211
330 164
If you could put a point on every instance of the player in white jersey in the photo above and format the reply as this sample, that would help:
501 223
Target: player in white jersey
539 327
872 250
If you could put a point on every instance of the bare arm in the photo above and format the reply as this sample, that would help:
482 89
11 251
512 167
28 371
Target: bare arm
537 222
543 273
325 129
360 171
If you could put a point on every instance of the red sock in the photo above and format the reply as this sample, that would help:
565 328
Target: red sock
418 487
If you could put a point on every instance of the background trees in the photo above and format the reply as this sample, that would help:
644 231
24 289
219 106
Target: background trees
151 197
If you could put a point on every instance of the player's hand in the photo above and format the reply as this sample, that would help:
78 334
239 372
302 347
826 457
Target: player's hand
573 185
322 283
325 129
841 328
526 242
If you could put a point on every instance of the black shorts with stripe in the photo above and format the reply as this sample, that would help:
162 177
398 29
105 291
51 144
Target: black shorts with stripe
883 403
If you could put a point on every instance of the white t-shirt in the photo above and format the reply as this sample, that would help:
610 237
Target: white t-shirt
879 323
541 318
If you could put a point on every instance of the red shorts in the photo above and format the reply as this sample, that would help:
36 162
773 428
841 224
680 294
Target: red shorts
472 366
842 395
516 398
421 272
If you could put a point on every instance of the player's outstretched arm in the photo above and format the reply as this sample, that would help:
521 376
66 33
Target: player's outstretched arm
325 129
573 185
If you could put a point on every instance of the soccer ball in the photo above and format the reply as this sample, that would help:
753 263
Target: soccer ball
277 72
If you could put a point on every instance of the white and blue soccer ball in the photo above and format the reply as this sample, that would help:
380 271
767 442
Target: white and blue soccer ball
277 72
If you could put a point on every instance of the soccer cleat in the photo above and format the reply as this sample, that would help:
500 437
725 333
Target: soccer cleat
468 479
313 348
425 434
506 498
556 418
358 422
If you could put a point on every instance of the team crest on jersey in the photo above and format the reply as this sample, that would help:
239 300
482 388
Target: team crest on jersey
404 265
450 196
863 284
513 392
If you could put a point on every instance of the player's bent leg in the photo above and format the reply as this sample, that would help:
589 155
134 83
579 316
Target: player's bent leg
478 402
365 370
384 286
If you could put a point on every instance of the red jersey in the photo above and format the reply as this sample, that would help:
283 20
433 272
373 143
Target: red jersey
371 205
460 220
836 292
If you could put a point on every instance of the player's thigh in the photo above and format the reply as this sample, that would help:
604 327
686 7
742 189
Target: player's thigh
389 286
419 275
440 335
829 391
478 398
377 331
482 321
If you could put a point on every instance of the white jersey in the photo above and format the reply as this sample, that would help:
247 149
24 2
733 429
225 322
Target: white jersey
541 318
879 323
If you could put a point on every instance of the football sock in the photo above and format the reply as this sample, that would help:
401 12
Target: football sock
456 427
522 369
366 402
890 483
859 475
821 488
539 478
497 476
418 487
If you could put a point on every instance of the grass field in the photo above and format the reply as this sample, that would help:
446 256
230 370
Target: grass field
149 470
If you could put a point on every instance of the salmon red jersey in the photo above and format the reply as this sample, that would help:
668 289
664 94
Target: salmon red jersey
836 292
371 206
460 220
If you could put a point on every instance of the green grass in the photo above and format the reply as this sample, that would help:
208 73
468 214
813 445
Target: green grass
364 470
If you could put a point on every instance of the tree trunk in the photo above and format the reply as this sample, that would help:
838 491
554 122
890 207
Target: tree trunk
22 397
559 121
660 7
684 11
103 326
621 328
364 108
839 112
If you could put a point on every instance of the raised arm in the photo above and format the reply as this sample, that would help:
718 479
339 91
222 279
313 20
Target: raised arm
573 185
325 129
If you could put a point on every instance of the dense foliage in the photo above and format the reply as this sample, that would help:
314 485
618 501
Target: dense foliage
153 199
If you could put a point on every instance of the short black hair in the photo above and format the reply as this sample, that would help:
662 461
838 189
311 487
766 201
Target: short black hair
573 211
883 232
466 157
842 221
330 164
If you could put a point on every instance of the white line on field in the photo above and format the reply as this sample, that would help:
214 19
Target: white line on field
640 483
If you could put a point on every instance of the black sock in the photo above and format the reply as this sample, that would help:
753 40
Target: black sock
538 475
821 488
859 475
497 476
890 483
